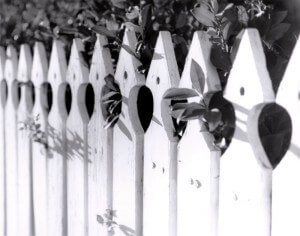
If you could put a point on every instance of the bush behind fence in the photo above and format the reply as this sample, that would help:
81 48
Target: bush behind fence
63 173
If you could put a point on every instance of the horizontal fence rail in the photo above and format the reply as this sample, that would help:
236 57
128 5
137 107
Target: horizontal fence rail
62 172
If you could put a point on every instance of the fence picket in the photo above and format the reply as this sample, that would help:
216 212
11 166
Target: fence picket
77 143
39 148
198 180
245 186
25 144
100 141
286 206
3 96
11 66
160 163
128 148
56 131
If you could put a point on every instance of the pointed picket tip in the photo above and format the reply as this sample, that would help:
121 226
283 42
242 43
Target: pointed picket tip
199 53
25 63
2 62
58 63
163 72
77 69
163 75
40 64
11 64
101 62
249 82
126 72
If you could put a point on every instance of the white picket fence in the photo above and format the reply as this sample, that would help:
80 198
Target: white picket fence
122 181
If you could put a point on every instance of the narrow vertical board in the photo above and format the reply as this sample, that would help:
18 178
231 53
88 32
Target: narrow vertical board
56 131
11 68
25 199
128 149
160 163
245 186
100 142
197 194
77 143
286 176
39 148
3 95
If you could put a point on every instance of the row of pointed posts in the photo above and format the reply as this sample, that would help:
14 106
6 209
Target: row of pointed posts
80 178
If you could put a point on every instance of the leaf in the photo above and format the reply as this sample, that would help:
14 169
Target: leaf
192 111
215 6
110 83
278 16
220 59
197 77
103 31
129 50
213 118
181 21
133 27
146 15
243 17
108 95
120 3
134 13
100 219
110 121
277 32
180 93
204 16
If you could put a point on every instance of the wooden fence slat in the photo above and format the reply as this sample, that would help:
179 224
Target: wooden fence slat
39 150
198 180
77 143
128 148
25 145
286 194
2 145
160 158
11 68
100 142
245 188
56 131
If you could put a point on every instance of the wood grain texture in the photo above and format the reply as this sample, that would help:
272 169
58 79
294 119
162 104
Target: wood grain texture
3 95
25 197
77 143
198 167
160 163
101 144
56 130
128 148
39 150
286 206
245 186
11 119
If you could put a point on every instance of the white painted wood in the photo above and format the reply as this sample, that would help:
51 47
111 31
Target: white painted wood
198 167
245 185
2 144
100 142
128 148
56 130
11 68
160 163
286 194
77 143
39 150
25 199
